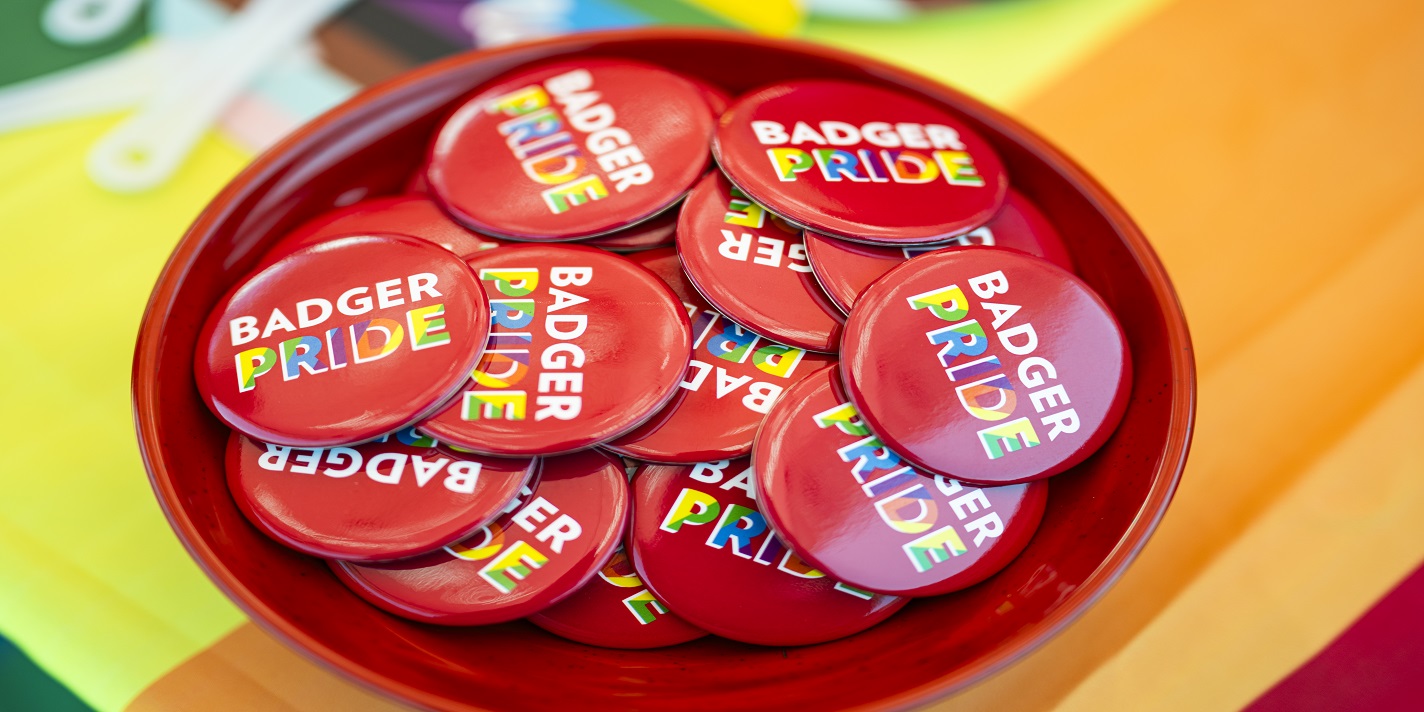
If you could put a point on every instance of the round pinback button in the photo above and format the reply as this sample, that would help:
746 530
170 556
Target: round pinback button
410 215
584 346
986 365
860 162
752 266
895 530
734 377
658 231
342 342
844 269
702 547
395 497
615 610
571 150
550 541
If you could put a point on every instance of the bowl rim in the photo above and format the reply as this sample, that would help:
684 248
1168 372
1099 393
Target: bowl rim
221 208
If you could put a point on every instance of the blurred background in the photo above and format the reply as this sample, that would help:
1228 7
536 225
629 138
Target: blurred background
1270 150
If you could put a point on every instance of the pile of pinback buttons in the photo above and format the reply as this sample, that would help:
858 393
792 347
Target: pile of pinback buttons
584 375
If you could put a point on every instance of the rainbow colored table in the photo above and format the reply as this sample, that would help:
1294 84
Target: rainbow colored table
1270 150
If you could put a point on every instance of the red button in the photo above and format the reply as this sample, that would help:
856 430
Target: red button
860 162
986 365
845 269
615 610
752 266
585 345
734 377
342 342
573 149
658 231
548 543
410 215
392 498
700 544
895 530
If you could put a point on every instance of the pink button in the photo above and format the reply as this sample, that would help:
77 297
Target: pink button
986 365
896 531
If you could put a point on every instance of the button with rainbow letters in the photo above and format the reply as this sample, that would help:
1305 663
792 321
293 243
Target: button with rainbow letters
704 550
752 266
391 498
986 365
860 162
895 530
411 215
845 269
585 345
572 149
615 610
550 541
734 377
342 342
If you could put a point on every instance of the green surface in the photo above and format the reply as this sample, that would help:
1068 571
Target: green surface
25 687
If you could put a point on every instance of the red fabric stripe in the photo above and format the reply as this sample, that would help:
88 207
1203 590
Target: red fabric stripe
1376 664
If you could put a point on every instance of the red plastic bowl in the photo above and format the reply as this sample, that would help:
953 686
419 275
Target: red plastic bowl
1098 518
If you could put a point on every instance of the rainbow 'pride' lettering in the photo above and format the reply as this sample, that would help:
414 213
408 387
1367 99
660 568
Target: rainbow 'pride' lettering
864 165
947 303
992 398
733 343
508 358
1012 436
511 566
950 157
737 530
963 343
742 211
494 405
909 511
935 548
619 573
844 418
730 342
491 540
362 342
645 607
900 496
535 134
